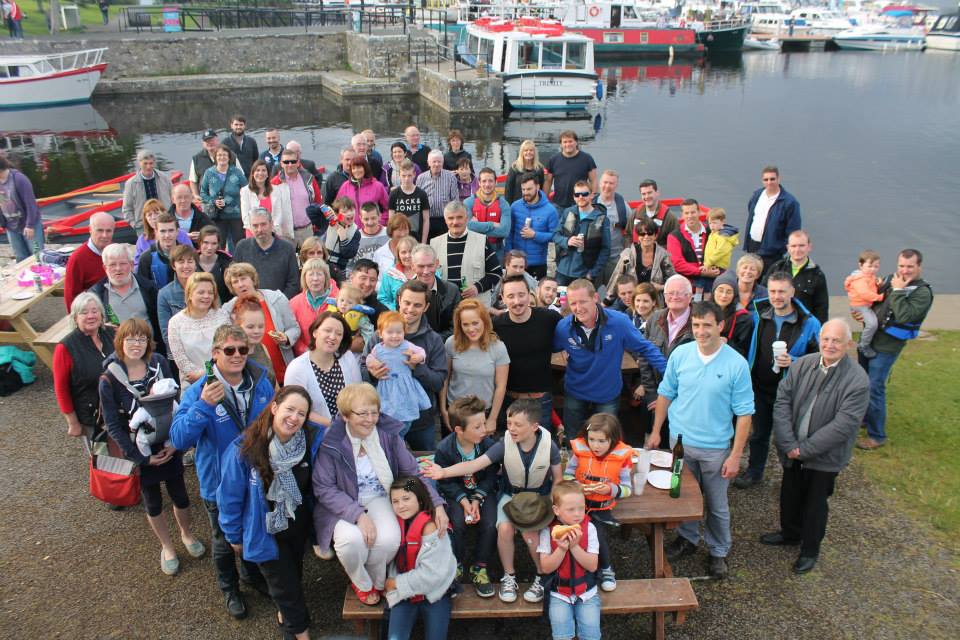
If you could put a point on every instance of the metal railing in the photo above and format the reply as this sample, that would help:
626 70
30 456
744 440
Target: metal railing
438 54
365 19
74 59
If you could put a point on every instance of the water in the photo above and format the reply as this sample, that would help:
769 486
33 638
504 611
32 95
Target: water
867 142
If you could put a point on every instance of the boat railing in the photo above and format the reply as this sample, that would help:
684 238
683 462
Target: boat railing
727 23
70 60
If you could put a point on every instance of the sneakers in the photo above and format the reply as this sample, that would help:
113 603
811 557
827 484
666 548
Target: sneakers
481 582
608 579
745 481
678 548
508 588
535 592
717 567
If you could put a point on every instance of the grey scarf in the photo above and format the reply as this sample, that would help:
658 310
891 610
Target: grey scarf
284 491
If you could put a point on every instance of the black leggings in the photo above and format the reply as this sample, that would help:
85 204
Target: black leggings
153 501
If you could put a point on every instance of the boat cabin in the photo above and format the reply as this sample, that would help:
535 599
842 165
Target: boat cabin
508 46
25 67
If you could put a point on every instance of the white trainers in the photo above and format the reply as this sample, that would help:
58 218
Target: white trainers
535 592
608 579
508 588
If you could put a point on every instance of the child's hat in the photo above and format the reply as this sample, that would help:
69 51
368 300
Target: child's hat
529 511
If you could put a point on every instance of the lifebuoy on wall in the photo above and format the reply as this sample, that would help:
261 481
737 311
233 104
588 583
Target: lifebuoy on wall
594 11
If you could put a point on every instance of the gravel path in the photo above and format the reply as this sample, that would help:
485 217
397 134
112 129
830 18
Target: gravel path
73 569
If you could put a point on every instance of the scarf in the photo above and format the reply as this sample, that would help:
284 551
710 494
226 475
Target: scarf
378 459
317 301
284 491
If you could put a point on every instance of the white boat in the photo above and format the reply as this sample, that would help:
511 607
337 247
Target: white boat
945 33
880 38
542 65
752 44
37 79
770 18
819 21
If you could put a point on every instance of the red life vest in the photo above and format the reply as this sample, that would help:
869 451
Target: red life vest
487 213
410 540
573 579
591 469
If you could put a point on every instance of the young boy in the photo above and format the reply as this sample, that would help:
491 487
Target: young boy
348 298
472 497
625 286
861 286
373 235
411 201
531 462
723 239
572 560
342 236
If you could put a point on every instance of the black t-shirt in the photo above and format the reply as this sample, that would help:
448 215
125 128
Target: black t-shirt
411 205
530 346
566 172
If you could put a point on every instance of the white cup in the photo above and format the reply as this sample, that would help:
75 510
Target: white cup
779 349
641 468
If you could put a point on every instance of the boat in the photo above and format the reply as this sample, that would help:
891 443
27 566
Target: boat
37 80
945 33
542 65
752 44
620 29
772 18
880 38
820 21
723 35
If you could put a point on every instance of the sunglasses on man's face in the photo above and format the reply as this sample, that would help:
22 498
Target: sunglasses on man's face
644 234
289 161
581 194
229 351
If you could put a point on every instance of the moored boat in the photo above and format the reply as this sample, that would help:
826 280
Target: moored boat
720 36
619 29
945 33
36 79
880 38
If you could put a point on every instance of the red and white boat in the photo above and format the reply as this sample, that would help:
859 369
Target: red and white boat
38 80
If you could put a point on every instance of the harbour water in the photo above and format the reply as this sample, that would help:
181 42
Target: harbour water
868 142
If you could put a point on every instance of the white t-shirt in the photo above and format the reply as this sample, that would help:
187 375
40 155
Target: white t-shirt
760 212
707 359
368 484
593 546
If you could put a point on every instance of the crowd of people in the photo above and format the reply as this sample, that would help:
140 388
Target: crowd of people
321 329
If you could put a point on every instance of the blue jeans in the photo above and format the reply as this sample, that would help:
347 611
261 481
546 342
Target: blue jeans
878 370
546 411
581 620
705 465
422 439
576 412
436 617
22 247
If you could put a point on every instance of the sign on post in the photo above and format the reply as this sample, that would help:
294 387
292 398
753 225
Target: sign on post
171 19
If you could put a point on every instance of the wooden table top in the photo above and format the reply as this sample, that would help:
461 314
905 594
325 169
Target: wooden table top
10 308
656 506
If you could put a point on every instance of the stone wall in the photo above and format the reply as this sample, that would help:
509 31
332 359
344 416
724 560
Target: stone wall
465 93
386 56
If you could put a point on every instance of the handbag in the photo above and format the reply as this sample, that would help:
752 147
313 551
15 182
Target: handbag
113 480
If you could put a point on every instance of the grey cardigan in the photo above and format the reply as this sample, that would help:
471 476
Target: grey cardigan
660 270
836 417
432 575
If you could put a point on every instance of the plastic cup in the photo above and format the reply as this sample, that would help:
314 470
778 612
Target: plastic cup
779 349
641 468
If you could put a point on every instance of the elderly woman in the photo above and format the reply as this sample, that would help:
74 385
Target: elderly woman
387 255
749 268
281 330
78 364
644 258
362 187
151 209
327 367
191 330
360 456
131 373
170 299
265 505
737 321
399 273
316 292
220 191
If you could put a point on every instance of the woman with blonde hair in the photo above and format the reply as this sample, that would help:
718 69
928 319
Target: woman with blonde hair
316 291
527 160
190 332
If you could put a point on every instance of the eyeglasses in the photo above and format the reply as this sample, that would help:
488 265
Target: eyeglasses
366 414
645 234
229 351
136 339
289 161
581 194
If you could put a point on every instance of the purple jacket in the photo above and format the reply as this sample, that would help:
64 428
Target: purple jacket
26 202
335 474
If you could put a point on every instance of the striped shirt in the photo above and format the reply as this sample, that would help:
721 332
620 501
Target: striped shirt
440 190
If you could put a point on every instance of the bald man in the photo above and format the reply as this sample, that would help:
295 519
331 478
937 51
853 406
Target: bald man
85 266
816 417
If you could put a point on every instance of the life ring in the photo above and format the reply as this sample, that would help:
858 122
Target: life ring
594 11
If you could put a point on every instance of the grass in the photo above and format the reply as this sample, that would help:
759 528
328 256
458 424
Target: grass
917 468
36 23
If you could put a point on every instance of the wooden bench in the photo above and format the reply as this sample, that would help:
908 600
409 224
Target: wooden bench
44 344
657 596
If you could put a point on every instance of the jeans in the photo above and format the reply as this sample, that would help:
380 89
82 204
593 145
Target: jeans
23 248
436 618
576 412
422 439
231 230
878 369
581 620
760 434
803 506
546 411
224 558
705 465
486 531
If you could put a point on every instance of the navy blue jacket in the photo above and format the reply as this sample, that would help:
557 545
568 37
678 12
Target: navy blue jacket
453 489
783 219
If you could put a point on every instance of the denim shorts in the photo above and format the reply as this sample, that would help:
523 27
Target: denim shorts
581 620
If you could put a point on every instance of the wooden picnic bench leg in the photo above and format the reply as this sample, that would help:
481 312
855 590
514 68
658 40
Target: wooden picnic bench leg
28 334
373 629
659 630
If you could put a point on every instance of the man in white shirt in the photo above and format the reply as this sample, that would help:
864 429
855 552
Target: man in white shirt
772 215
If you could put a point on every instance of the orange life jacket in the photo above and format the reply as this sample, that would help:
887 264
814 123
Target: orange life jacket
591 469
410 539
573 579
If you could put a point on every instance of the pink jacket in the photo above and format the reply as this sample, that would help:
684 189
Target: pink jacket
861 289
370 190
305 315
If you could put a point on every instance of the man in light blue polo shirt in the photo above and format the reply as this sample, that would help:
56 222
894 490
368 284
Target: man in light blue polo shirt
705 385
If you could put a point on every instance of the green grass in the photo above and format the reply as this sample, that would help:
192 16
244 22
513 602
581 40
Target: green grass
36 23
917 468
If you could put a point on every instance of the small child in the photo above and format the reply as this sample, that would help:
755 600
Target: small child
342 237
146 425
601 463
350 305
472 498
420 576
571 557
401 396
861 286
723 239
466 181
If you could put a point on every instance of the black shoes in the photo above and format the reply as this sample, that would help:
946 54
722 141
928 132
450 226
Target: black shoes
776 539
678 548
745 481
235 605
717 567
804 564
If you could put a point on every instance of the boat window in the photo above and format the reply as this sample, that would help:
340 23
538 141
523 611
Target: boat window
473 43
613 37
486 51
629 12
577 55
528 54
552 55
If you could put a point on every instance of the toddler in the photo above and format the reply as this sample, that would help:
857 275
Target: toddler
150 427
723 239
350 305
401 396
861 286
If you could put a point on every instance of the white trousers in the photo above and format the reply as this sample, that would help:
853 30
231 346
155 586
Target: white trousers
367 566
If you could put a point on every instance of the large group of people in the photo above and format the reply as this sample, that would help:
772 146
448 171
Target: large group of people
320 329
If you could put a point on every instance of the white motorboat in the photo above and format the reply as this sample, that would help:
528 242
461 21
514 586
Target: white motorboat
542 65
819 21
38 80
945 33
881 38
753 44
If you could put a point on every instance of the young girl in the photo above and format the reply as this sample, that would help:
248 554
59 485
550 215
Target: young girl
350 304
420 576
248 315
401 396
601 464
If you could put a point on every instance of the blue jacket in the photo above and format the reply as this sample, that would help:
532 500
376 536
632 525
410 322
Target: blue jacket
595 228
782 220
242 501
594 366
170 302
211 429
806 341
544 221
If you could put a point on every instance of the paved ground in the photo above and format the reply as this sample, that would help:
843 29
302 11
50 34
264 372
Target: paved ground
72 569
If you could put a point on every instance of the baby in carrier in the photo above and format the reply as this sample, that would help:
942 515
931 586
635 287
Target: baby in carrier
152 419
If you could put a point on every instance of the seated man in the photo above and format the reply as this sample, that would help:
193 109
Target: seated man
467 260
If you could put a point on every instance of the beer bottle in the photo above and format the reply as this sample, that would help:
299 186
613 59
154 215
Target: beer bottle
111 315
211 376
463 284
677 467
36 252
564 447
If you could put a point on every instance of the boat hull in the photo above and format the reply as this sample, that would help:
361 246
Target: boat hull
549 91
719 40
943 41
628 42
66 87
873 43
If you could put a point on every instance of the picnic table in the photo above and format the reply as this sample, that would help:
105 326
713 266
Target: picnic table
15 311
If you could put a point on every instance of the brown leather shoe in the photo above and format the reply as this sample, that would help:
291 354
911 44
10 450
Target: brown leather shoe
868 444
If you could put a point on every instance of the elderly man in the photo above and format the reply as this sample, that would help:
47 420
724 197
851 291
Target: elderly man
274 258
271 155
706 385
594 340
19 211
671 327
190 217
655 210
339 175
772 215
147 184
417 152
906 304
243 146
442 297
85 266
440 186
808 278
816 417
489 213
202 161
467 260
619 214
302 190
124 294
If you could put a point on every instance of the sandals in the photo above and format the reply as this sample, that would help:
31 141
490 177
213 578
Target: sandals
370 598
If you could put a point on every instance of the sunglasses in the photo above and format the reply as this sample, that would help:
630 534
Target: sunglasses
289 161
644 234
229 351
581 194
